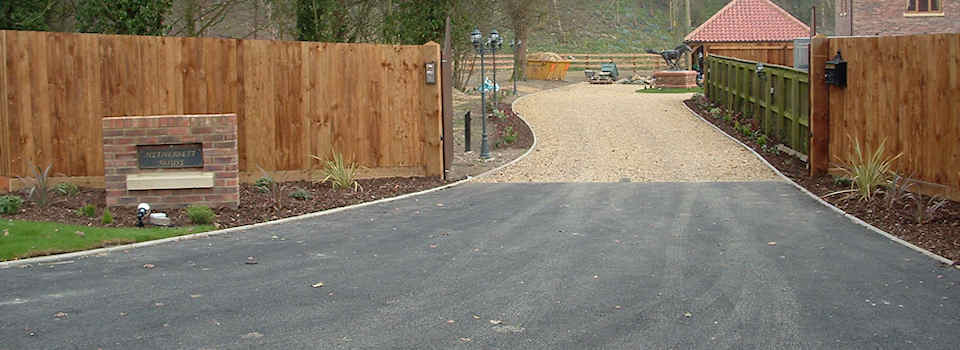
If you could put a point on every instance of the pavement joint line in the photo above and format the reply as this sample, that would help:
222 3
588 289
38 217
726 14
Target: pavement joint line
87 253
852 218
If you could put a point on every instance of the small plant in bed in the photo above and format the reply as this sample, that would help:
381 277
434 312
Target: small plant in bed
107 217
66 189
339 173
265 182
200 214
88 210
10 204
300 194
39 185
866 170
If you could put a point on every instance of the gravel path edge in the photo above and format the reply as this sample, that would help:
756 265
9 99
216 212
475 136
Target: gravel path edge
852 218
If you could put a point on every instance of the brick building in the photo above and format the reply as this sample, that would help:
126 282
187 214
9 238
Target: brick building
897 17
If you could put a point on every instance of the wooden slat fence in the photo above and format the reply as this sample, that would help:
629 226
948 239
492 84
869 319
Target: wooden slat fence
905 90
778 97
780 53
624 61
293 99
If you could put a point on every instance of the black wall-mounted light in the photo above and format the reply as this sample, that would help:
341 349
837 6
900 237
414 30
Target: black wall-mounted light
835 72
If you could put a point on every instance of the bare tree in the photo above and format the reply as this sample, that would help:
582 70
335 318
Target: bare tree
195 18
520 14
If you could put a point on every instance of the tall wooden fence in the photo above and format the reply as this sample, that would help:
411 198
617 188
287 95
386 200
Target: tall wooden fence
624 61
778 53
778 97
293 99
902 89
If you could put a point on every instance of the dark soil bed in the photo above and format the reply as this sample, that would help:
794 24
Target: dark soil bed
255 206
511 125
939 234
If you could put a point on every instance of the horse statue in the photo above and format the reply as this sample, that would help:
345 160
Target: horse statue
673 57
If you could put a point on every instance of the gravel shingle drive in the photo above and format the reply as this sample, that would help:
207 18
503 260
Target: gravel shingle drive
608 133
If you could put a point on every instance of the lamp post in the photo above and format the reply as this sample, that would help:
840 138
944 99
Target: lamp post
481 46
514 45
495 43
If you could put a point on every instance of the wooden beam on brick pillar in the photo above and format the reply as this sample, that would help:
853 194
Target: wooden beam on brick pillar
819 107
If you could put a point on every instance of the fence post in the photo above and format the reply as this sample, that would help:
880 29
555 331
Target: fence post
819 107
4 124
432 115
446 71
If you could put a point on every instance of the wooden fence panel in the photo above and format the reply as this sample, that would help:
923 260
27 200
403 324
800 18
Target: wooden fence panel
781 55
903 90
293 99
783 114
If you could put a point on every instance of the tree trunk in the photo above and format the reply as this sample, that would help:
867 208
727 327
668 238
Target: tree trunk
189 18
520 56
563 35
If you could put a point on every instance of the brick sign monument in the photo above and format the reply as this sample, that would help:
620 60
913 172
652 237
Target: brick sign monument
171 161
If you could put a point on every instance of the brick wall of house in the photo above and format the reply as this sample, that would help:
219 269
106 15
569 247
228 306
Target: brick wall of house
886 17
216 133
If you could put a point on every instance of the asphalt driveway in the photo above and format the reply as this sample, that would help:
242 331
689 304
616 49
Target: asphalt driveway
563 266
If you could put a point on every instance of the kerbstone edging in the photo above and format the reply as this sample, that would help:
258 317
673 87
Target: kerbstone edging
825 203
86 253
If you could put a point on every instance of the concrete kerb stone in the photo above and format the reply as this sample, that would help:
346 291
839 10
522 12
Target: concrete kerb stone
86 253
852 218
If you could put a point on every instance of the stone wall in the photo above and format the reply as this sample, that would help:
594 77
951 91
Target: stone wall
216 133
890 17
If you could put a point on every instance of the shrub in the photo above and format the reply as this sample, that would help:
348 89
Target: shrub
10 204
510 136
300 194
340 174
107 217
762 140
715 112
66 188
268 184
39 191
927 210
499 114
265 183
88 210
866 171
897 188
200 214
726 117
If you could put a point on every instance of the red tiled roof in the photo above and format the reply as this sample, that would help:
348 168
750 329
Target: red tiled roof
750 20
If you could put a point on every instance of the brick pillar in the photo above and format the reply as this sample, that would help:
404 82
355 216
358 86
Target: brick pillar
216 133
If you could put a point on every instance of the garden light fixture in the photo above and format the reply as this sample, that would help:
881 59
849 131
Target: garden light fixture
482 46
142 211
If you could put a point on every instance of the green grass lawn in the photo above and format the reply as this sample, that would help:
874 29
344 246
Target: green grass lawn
670 90
24 239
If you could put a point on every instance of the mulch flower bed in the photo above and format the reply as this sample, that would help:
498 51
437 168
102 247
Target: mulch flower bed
940 233
255 205
522 137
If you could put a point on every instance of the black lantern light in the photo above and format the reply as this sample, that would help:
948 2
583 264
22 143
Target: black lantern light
835 73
